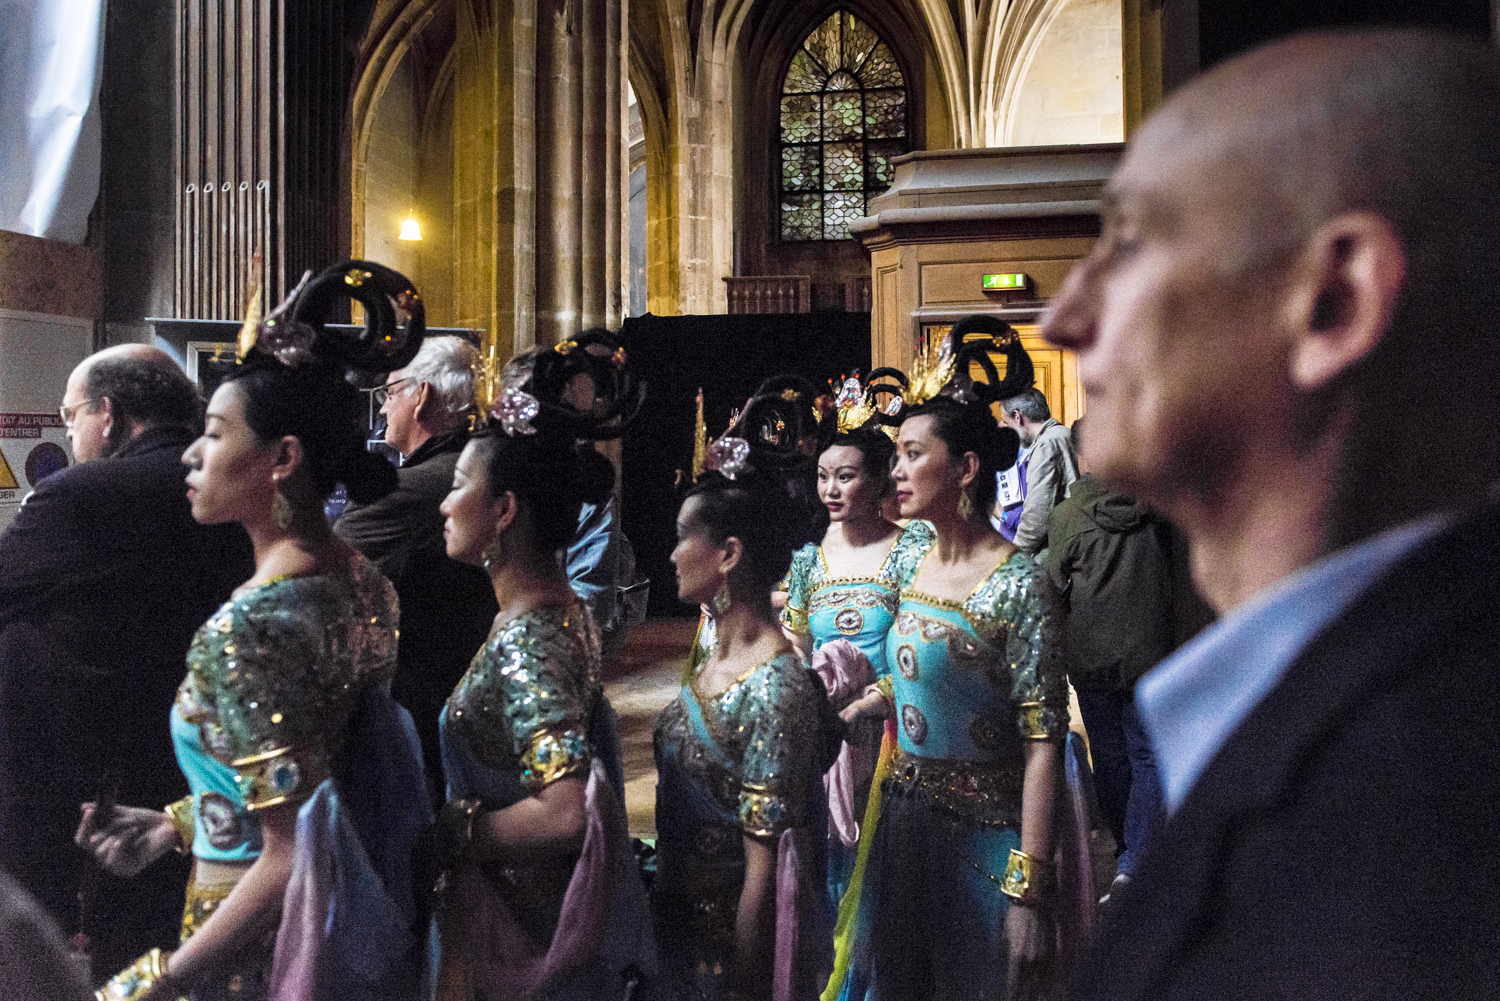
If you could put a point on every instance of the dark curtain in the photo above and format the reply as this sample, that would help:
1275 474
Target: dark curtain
728 356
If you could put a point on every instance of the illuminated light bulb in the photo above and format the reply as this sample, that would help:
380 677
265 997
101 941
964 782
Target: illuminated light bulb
410 230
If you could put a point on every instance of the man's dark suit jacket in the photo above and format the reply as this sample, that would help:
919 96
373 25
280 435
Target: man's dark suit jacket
104 577
447 607
1345 842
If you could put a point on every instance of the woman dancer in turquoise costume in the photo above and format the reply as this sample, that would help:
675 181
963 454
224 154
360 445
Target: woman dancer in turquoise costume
541 896
848 588
740 905
944 899
299 761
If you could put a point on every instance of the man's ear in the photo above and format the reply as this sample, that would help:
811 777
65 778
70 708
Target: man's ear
107 408
424 397
1344 290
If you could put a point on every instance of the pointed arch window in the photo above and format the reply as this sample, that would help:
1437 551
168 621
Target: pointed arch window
843 118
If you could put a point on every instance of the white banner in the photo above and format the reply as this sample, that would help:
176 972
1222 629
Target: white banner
51 60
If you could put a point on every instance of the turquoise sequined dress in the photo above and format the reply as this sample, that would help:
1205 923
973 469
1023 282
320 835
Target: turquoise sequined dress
974 681
862 611
742 762
518 721
278 680
531 711
859 609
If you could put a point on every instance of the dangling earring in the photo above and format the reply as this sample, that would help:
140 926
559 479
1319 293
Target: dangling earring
965 506
281 511
721 600
492 552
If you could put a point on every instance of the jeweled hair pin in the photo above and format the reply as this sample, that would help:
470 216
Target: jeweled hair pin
859 405
942 367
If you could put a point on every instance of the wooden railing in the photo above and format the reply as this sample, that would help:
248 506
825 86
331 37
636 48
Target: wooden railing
857 295
770 294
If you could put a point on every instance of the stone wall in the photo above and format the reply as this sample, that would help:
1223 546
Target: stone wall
391 174
1072 86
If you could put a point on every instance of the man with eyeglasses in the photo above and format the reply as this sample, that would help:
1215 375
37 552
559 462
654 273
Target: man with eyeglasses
446 606
104 577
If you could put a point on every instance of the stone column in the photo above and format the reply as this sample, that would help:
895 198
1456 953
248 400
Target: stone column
539 158
494 162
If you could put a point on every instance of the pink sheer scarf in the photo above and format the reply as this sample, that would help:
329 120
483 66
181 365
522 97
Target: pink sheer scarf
846 673
604 928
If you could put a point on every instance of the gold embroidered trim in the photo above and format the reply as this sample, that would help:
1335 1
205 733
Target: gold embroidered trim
986 792
282 775
761 815
948 604
795 619
181 814
552 756
201 903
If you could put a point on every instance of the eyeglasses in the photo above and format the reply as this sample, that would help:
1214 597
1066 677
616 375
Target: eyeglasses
69 411
383 393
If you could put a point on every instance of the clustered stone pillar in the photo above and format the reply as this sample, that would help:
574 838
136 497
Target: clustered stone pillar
539 168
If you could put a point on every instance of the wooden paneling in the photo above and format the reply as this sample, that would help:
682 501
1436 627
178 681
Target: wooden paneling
962 282
1056 369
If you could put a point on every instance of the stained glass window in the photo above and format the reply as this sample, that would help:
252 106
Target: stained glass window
843 118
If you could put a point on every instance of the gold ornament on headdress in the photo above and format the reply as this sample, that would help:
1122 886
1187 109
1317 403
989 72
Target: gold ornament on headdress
486 387
499 398
251 326
931 369
700 441
855 408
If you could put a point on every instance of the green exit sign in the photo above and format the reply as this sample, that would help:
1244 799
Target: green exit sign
994 282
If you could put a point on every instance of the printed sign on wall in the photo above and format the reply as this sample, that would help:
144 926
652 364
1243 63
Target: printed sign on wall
32 447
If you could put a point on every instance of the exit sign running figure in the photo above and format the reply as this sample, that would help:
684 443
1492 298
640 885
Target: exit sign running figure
994 282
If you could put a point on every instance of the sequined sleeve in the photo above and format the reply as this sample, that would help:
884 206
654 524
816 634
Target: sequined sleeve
287 666
1039 682
906 555
782 751
794 614
526 696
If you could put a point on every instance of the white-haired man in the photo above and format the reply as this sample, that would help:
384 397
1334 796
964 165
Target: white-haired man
446 607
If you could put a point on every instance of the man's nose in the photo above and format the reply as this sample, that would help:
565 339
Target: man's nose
1069 320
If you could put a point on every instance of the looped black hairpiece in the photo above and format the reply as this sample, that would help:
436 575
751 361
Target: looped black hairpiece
773 431
1000 336
296 332
533 389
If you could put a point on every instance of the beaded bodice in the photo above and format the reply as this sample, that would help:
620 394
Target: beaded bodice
751 746
974 679
274 679
859 609
519 718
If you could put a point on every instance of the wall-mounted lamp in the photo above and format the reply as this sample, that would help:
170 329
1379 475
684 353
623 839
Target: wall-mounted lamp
410 230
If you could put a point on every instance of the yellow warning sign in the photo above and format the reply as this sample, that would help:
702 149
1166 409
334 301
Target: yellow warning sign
7 478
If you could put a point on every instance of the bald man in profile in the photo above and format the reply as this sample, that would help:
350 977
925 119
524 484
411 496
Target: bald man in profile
1288 337
104 576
